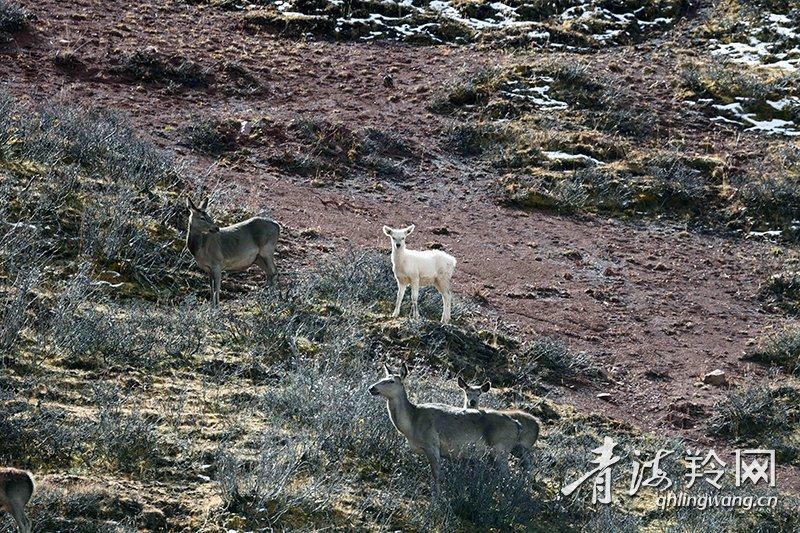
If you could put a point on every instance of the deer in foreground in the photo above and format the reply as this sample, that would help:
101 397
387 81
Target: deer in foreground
233 248
16 489
438 430
420 269
530 424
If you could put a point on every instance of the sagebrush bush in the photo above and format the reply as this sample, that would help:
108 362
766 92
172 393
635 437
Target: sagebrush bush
781 348
213 136
97 187
266 488
150 65
84 507
12 17
37 437
122 436
555 360
756 411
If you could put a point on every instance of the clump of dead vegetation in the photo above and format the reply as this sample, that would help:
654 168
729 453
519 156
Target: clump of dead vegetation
762 415
214 136
12 17
328 152
150 65
781 348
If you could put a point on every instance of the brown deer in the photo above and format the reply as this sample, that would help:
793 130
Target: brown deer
16 489
530 424
231 248
438 430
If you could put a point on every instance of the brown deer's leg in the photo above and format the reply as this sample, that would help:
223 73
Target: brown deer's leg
18 513
217 281
268 266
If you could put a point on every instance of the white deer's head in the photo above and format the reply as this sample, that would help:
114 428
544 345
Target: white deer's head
398 236
391 386
472 392
199 219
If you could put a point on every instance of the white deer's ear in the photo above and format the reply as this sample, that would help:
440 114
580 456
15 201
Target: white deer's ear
409 229
387 369
404 371
387 231
486 386
204 204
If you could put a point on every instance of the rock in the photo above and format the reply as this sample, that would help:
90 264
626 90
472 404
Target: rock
246 128
715 377
605 396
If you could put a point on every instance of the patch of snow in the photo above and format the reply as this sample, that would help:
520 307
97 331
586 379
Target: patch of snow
563 156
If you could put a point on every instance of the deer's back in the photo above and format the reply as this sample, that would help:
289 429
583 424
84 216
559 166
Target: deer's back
458 428
261 231
15 485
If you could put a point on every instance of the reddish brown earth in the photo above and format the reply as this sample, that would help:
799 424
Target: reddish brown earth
659 305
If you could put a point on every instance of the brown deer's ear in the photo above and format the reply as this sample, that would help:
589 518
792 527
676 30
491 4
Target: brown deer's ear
486 386
462 383
404 371
205 203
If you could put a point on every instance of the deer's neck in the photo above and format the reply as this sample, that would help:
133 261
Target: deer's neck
402 412
194 241
398 255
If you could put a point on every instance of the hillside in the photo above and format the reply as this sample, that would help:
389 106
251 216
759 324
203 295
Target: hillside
619 181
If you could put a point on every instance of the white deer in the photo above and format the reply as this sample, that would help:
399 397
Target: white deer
420 269
438 430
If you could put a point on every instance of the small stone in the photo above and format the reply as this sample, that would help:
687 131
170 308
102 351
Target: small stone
605 396
246 128
568 276
715 377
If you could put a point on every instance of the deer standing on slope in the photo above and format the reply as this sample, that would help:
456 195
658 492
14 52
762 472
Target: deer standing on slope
438 430
233 248
530 424
16 489
420 269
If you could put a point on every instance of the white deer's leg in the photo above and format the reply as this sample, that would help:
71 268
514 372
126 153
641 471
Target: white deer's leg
447 300
415 299
401 292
